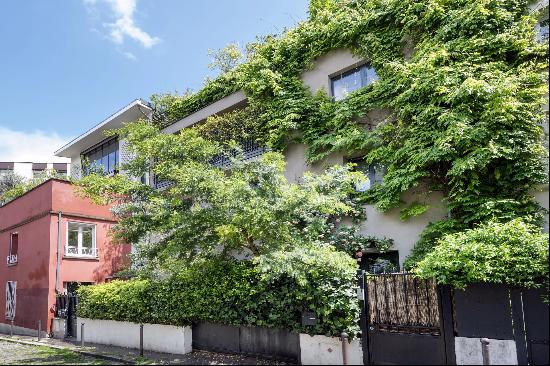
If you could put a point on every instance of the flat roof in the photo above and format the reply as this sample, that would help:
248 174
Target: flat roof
131 112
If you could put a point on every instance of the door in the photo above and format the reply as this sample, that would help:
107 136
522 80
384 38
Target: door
403 321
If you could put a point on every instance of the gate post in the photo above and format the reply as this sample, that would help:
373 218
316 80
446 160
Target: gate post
364 313
447 327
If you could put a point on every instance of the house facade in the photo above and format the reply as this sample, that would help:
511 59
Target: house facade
94 149
51 241
338 73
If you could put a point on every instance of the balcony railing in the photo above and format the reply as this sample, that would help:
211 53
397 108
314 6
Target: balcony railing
11 259
81 252
250 150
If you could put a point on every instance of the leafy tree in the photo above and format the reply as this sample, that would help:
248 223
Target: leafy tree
22 186
8 181
225 59
207 211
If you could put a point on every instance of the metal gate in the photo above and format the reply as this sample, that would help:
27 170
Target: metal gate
404 321
531 318
66 309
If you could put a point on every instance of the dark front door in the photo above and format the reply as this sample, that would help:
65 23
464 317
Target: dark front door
403 321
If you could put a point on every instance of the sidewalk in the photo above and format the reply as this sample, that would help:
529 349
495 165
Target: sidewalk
131 356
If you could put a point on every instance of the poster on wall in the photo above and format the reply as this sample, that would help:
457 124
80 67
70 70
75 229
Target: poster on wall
11 288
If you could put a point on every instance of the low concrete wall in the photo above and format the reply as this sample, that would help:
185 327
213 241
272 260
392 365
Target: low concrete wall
501 352
322 350
156 337
5 329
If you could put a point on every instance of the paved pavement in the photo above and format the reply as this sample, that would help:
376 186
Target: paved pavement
53 351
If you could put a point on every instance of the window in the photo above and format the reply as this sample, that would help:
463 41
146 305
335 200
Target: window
11 292
13 250
543 30
373 172
106 155
81 240
343 84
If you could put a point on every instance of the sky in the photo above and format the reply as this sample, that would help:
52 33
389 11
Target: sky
67 65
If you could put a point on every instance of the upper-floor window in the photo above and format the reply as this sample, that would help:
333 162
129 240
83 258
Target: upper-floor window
81 240
343 84
105 155
373 172
13 249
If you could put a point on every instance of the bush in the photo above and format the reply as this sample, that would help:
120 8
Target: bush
238 293
514 253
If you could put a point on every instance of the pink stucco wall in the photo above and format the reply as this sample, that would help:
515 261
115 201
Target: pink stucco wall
35 271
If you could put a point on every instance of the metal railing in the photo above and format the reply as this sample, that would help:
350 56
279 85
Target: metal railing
83 252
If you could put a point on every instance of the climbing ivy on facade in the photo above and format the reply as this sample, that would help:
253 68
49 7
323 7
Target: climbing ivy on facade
462 84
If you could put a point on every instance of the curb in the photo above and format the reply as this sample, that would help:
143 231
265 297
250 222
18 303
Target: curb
76 350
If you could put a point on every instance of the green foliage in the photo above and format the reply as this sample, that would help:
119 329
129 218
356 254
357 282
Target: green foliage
19 186
514 253
272 293
413 210
8 181
462 84
348 240
252 209
225 59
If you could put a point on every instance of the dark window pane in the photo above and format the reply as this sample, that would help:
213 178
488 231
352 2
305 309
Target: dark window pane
14 244
350 81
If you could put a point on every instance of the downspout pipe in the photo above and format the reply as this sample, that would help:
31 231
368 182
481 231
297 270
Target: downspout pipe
58 257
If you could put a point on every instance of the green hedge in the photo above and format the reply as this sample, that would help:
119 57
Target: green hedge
514 253
238 293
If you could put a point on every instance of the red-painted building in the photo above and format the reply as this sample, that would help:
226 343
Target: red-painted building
52 238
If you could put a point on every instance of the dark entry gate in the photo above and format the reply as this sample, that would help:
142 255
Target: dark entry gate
66 309
404 321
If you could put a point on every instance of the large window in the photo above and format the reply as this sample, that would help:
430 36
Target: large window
345 83
81 240
105 156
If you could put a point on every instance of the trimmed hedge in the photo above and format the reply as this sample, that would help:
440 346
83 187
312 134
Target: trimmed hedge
238 293
514 253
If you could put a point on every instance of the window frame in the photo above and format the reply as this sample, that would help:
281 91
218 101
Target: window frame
105 151
375 170
347 72
79 247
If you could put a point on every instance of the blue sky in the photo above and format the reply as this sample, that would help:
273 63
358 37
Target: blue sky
65 66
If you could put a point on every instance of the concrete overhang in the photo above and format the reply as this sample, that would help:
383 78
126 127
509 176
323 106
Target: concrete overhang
224 105
132 112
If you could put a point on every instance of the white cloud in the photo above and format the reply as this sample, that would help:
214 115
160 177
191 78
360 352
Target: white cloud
130 56
124 25
36 146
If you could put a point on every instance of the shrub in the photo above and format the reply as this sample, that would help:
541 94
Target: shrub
514 253
238 293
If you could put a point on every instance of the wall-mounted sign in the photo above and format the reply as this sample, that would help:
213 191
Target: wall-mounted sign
11 289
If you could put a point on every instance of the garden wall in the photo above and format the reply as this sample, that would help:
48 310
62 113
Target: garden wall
156 337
